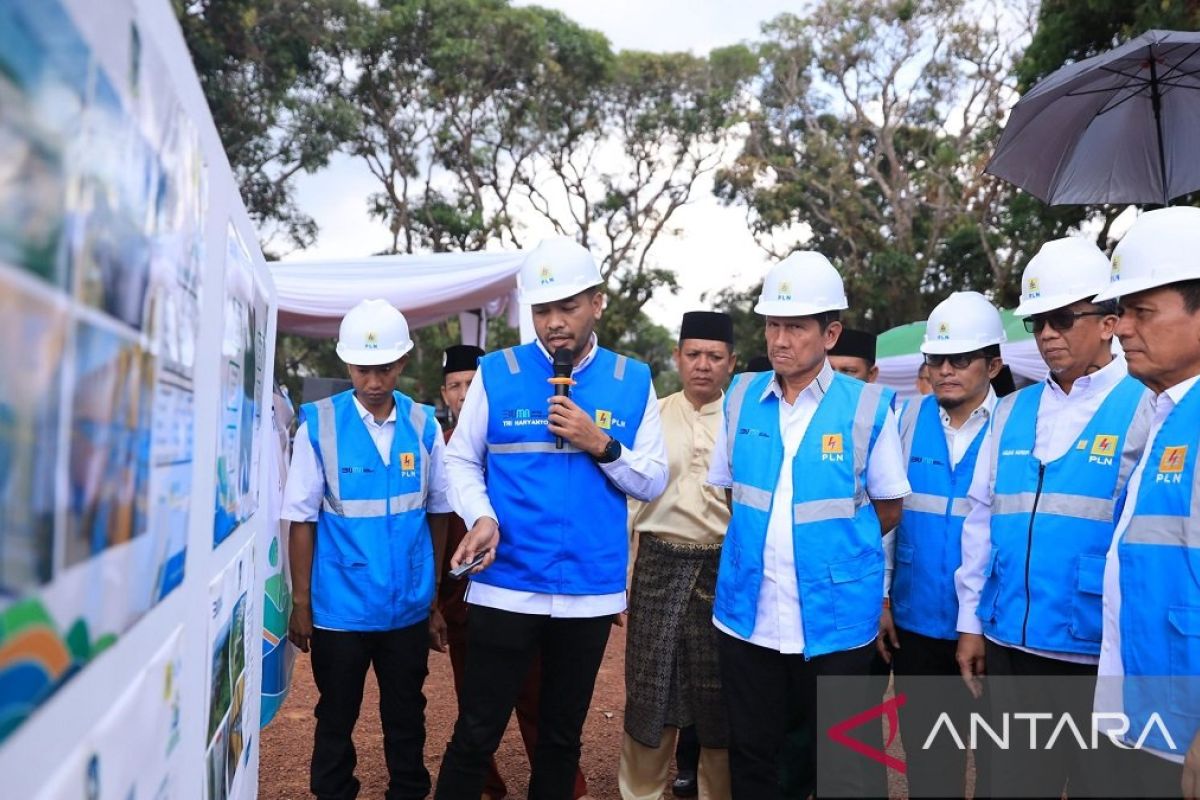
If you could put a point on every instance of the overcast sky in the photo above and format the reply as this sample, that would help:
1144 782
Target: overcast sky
715 249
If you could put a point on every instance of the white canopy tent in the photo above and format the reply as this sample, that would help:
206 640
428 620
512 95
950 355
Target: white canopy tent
315 295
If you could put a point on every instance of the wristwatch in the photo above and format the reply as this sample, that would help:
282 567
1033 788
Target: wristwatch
610 453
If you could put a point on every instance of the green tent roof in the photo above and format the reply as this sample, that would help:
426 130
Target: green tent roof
906 339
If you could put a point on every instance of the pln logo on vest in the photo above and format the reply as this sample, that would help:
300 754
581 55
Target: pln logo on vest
408 464
1170 466
831 447
604 420
1104 447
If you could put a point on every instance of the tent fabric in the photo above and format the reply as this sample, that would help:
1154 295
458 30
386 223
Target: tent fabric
315 295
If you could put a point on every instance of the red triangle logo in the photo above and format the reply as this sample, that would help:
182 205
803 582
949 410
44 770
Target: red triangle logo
889 709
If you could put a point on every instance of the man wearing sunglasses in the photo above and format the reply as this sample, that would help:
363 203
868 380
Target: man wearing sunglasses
1045 489
942 436
1150 662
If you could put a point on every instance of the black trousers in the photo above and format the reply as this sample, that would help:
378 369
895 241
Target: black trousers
1135 773
927 674
1020 682
339 663
502 645
763 689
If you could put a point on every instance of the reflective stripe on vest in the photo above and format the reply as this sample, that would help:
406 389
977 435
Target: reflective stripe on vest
1159 557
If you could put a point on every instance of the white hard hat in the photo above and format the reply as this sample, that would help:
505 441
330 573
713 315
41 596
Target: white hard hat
962 323
1162 247
556 269
803 284
1064 271
372 333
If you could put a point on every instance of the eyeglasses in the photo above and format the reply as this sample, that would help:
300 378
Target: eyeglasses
1061 321
957 360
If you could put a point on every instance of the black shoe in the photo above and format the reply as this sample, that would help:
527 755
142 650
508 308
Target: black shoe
685 784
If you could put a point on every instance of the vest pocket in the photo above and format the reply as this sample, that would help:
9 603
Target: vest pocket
1185 660
345 587
1087 615
902 576
857 590
989 596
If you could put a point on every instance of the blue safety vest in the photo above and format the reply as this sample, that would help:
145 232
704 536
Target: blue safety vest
929 538
835 531
373 558
1159 556
562 521
1052 523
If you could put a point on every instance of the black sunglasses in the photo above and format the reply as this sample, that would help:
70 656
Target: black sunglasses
1061 321
957 360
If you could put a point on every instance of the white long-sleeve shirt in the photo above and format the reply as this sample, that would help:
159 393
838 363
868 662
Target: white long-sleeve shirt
1110 698
640 472
1061 418
778 623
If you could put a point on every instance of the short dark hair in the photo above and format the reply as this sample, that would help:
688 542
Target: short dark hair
991 351
1190 291
1107 306
826 317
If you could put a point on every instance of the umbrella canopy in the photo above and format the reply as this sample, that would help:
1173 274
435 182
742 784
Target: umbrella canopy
1121 127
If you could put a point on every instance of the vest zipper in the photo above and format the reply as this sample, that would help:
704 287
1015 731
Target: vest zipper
1029 553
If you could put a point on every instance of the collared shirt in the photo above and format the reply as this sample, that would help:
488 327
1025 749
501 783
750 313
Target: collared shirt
1061 417
958 441
305 488
777 624
690 510
1109 695
640 472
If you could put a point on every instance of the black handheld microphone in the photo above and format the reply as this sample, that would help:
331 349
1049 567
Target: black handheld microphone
564 362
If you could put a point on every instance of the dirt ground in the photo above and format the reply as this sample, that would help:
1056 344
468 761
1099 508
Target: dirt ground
287 742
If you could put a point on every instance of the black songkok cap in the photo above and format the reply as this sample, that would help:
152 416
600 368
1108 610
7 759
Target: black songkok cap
759 364
460 358
712 325
857 344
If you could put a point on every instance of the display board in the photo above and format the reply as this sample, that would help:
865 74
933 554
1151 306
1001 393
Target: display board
137 325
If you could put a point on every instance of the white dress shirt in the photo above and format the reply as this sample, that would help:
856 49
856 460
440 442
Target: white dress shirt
306 481
958 441
1109 693
777 624
1061 417
640 472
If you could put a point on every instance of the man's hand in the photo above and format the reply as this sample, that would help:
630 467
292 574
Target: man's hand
972 663
887 641
621 620
438 636
1190 780
484 535
300 625
573 424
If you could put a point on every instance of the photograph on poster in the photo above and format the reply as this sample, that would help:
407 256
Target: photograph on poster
109 460
105 177
35 326
43 76
231 607
110 253
241 392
